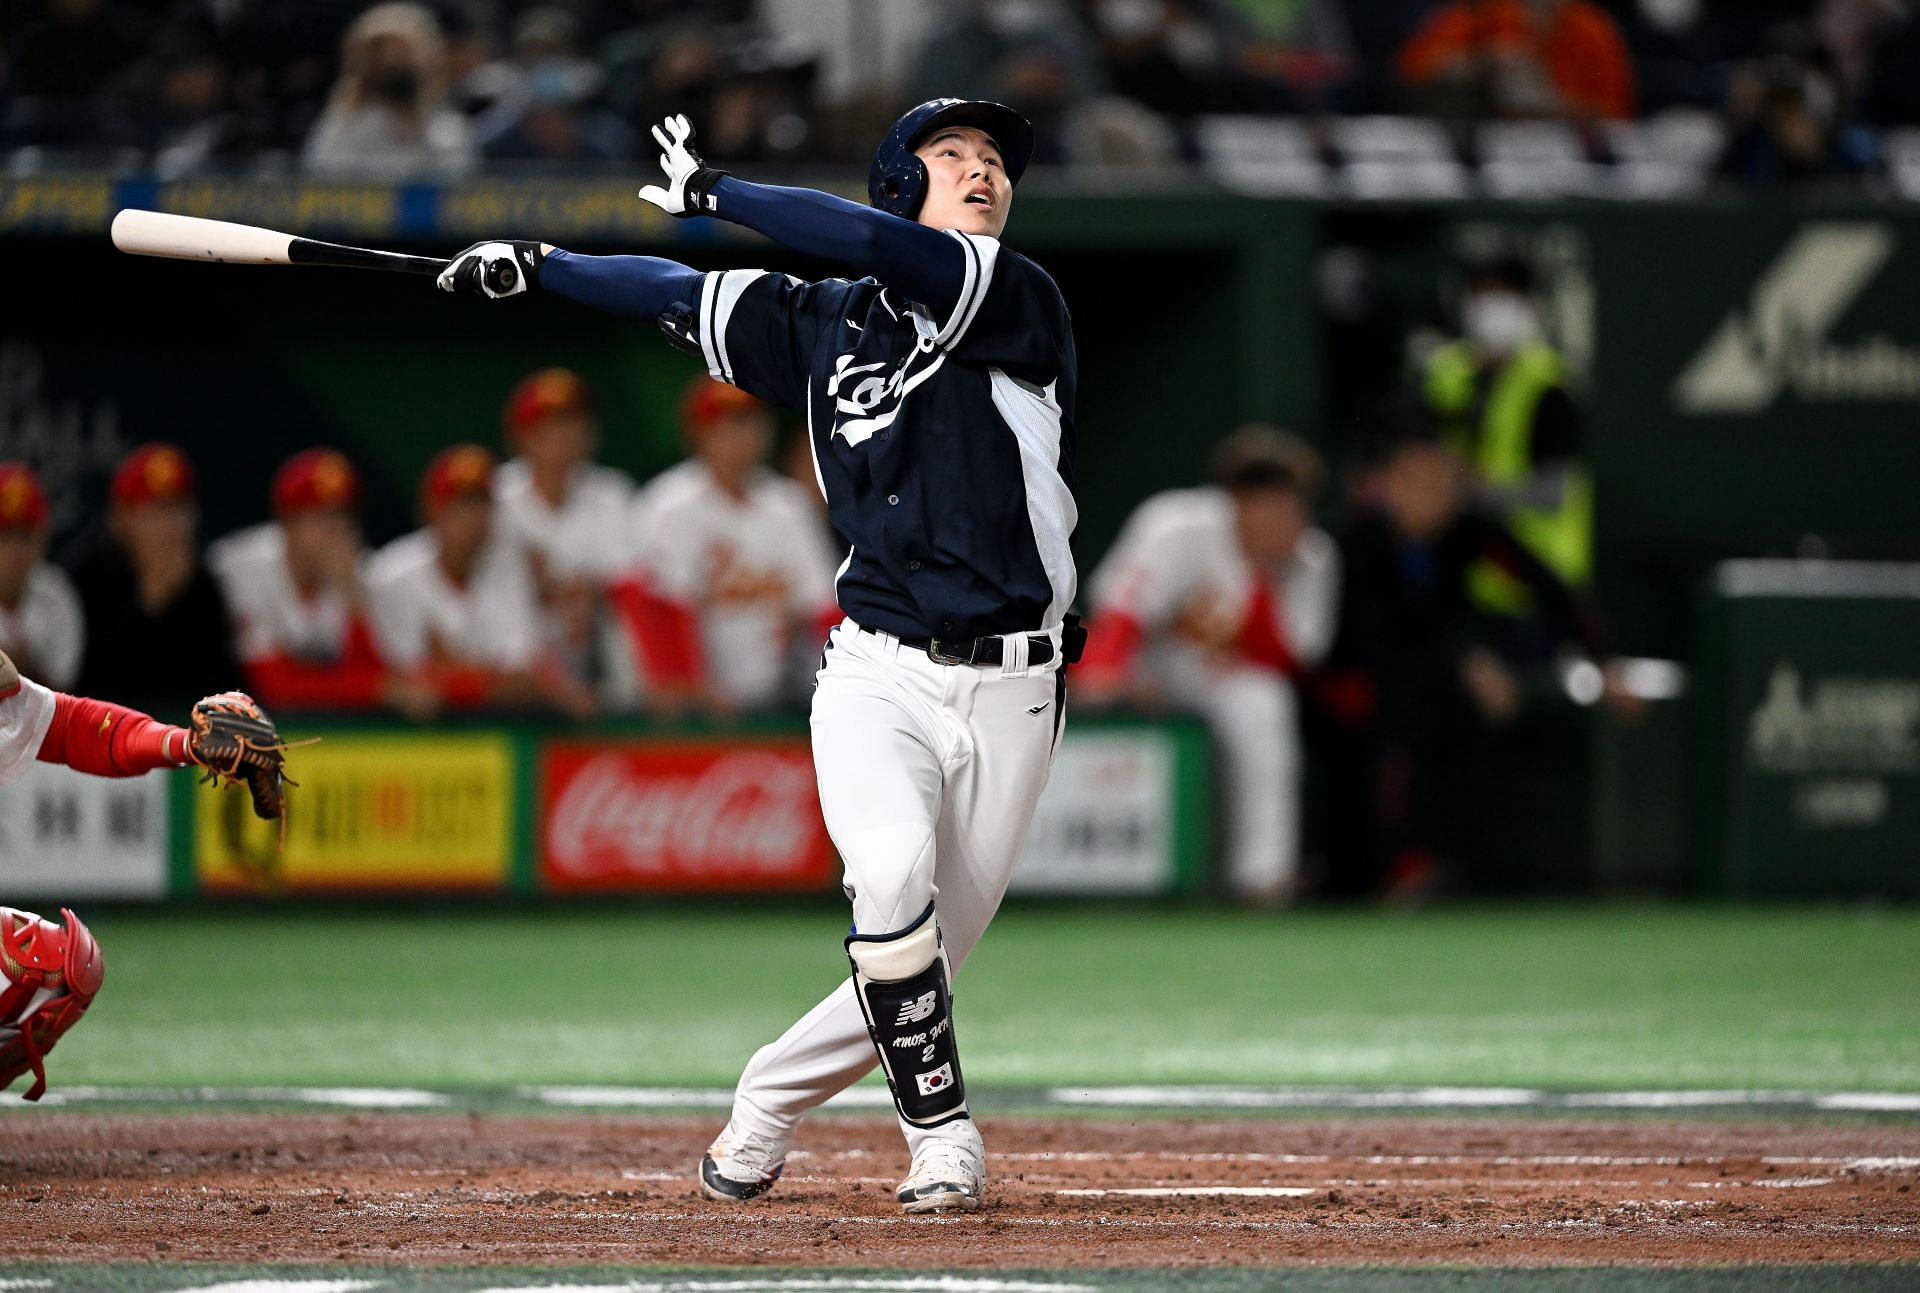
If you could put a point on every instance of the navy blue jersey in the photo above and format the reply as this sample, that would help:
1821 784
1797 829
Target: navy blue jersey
944 446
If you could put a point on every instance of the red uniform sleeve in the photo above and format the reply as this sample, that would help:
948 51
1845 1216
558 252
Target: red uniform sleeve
110 740
357 680
1113 640
666 634
1263 636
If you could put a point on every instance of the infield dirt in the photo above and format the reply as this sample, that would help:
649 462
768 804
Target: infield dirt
480 1189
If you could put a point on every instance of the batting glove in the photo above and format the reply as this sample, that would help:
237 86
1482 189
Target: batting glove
493 270
690 181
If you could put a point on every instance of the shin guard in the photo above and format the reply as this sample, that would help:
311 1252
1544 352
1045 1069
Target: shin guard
901 981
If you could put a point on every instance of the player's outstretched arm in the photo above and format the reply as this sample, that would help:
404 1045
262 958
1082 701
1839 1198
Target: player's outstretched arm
923 264
633 287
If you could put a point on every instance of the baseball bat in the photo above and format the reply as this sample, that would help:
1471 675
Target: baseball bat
156 233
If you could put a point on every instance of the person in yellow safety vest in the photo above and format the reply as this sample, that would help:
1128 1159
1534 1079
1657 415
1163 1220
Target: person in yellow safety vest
1499 397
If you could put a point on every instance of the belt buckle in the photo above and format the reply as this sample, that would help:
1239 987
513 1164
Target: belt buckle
941 655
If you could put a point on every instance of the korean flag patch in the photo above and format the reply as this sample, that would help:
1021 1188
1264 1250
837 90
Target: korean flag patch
937 1080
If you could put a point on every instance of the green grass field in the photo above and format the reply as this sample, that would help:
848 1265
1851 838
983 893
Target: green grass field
1590 997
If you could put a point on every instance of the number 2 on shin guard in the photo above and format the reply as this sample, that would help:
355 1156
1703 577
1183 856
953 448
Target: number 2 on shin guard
901 981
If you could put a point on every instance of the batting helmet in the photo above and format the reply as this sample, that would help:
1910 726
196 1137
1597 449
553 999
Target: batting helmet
897 183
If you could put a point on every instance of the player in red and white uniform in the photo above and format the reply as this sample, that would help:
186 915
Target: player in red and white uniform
41 624
568 513
49 974
454 604
296 587
1216 598
734 557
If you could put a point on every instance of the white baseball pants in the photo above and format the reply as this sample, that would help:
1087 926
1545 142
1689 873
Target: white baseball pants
1254 716
929 775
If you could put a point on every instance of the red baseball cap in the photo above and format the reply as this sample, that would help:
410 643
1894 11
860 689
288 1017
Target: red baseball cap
458 471
315 480
541 395
706 401
153 473
23 503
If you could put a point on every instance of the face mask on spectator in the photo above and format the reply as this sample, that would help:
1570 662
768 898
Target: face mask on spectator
1499 323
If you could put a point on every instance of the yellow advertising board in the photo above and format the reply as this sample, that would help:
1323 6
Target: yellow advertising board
372 811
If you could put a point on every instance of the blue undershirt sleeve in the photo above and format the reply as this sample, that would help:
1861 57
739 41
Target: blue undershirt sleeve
922 264
633 287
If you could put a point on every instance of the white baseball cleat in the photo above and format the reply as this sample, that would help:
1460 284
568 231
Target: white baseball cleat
742 1165
949 1171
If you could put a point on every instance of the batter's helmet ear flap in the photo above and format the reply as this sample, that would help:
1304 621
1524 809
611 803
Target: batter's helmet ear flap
897 181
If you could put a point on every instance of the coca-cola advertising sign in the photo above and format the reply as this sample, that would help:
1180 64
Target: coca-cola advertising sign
681 816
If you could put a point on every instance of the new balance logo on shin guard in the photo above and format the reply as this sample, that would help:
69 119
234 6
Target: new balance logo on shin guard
901 982
916 1010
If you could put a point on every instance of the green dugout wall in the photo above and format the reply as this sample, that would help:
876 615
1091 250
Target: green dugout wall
1752 368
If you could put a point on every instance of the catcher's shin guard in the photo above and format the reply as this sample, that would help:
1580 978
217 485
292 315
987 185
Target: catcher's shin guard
48 978
901 981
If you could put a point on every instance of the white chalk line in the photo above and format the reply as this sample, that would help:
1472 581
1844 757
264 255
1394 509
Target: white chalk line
282 1286
807 1284
736 1220
1214 1098
1460 1097
1869 1164
1195 1192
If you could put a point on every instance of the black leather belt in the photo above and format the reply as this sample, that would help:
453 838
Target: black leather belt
987 651
993 650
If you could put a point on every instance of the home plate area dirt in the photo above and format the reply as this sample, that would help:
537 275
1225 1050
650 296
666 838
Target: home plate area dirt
542 1190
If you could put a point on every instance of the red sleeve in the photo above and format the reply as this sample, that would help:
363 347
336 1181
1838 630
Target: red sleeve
1263 636
826 621
462 686
1113 640
666 634
357 680
110 740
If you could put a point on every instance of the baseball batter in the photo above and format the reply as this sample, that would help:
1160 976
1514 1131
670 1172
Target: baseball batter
49 974
939 394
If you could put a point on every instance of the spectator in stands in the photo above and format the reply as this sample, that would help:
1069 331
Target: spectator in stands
1182 58
1034 53
1499 397
1219 598
60 63
1307 44
567 513
387 118
547 90
730 563
454 604
1416 676
1787 126
1519 58
41 628
158 630
297 587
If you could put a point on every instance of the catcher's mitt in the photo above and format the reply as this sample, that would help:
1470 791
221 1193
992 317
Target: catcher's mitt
234 740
